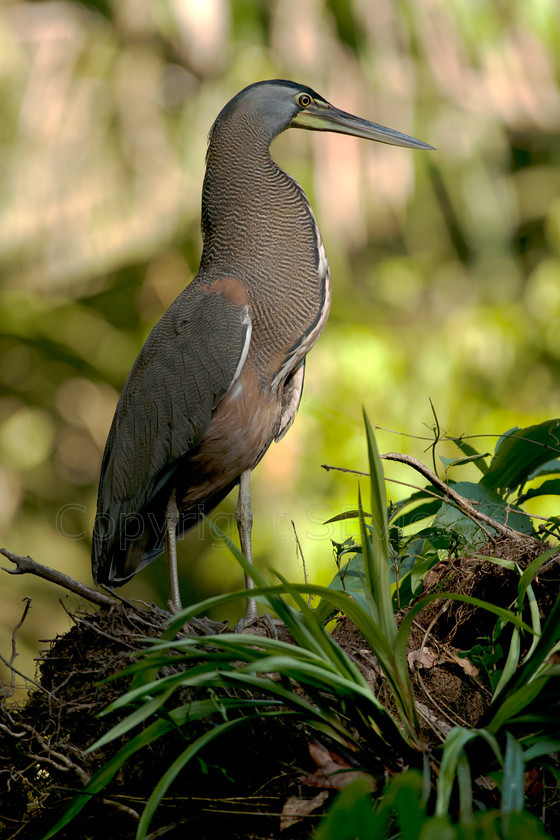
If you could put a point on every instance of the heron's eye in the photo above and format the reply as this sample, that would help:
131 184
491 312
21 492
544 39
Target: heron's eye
304 100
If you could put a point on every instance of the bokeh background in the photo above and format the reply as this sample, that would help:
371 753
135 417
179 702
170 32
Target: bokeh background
445 265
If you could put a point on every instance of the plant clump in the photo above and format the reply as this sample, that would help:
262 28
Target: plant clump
418 690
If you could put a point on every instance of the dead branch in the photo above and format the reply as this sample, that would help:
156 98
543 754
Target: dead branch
463 504
26 565
451 495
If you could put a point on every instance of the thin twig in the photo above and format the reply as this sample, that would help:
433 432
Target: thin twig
26 565
26 678
14 648
13 734
437 435
120 806
454 438
329 467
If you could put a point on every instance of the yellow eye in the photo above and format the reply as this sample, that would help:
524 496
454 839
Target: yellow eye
304 100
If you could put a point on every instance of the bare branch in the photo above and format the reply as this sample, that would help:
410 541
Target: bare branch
451 495
26 565
463 504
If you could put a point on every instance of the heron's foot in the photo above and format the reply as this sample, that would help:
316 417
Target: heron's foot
260 625
175 606
207 626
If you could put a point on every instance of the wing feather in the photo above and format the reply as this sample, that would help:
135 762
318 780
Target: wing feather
188 363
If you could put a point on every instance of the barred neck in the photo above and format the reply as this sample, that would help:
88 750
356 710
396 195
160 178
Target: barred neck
251 208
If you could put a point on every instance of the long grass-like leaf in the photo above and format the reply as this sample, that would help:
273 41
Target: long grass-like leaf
464 783
103 776
517 691
453 748
378 561
516 701
174 769
511 663
513 777
532 570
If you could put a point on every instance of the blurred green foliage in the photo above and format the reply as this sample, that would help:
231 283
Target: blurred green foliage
445 266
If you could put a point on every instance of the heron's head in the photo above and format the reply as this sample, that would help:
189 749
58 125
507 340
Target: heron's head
279 104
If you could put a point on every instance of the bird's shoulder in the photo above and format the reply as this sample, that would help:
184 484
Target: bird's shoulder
207 322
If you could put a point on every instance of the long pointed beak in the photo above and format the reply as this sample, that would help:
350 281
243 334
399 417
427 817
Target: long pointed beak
321 116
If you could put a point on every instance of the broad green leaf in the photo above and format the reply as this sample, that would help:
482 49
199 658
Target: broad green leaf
459 462
547 488
520 452
487 502
550 468
351 816
416 514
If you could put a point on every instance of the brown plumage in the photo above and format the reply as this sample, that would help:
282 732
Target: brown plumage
220 375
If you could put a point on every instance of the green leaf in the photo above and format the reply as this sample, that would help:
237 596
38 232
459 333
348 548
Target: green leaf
464 783
346 514
550 468
520 452
458 462
513 777
416 514
487 502
173 771
476 457
378 559
523 826
453 748
524 589
351 816
439 828
547 488
523 687
404 796
540 748
351 579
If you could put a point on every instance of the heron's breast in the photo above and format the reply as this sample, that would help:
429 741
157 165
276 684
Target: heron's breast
242 428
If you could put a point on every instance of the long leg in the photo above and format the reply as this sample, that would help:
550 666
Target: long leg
171 521
244 526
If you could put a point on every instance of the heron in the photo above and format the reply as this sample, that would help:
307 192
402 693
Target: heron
220 376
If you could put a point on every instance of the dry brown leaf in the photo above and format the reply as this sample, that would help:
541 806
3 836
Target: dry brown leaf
485 782
295 809
422 658
432 578
467 666
333 772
